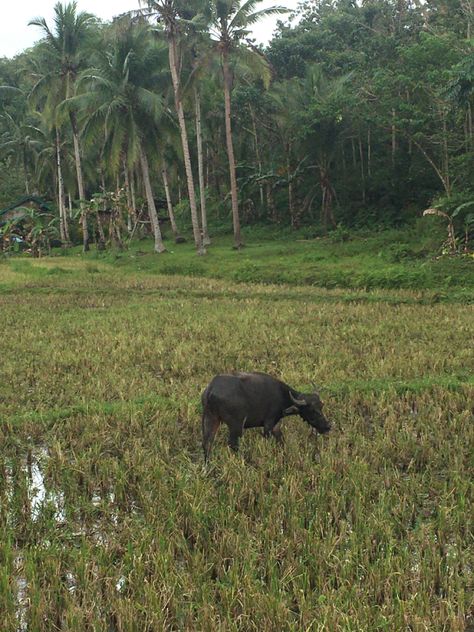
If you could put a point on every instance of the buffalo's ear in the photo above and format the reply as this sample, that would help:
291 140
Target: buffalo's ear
292 410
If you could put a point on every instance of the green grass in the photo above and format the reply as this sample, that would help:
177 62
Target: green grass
388 260
102 365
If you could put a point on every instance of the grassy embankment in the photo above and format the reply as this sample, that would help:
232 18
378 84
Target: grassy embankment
102 366
385 260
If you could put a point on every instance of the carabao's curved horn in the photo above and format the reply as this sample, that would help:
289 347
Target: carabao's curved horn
298 402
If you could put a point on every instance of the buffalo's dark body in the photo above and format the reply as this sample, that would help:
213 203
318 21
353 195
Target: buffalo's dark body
250 400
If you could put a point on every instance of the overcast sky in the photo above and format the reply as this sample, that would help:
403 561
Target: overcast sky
16 35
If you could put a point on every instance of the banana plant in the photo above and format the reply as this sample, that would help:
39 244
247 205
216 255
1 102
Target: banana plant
10 238
467 222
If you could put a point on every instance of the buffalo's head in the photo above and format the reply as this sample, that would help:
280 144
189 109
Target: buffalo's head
310 408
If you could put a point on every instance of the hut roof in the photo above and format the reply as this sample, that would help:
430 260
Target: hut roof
27 199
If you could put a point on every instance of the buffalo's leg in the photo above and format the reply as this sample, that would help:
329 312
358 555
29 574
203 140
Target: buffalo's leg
268 427
277 433
234 437
235 432
210 424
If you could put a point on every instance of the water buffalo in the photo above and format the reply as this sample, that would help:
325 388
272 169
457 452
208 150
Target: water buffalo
252 400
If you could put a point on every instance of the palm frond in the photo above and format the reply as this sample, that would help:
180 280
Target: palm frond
150 102
244 17
8 90
253 63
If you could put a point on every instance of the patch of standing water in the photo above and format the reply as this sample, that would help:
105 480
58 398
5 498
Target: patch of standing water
38 493
70 581
120 585
21 596
31 467
98 500
37 489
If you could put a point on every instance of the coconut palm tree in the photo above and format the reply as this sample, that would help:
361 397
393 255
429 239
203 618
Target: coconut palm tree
20 141
198 117
46 95
65 52
119 94
203 71
169 156
54 170
231 21
175 16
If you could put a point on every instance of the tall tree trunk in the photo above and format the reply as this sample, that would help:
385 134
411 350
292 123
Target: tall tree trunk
215 168
131 215
174 227
466 132
134 199
468 10
394 137
202 188
447 176
469 123
217 180
230 152
439 171
362 174
100 227
151 202
63 224
271 202
327 196
369 153
291 203
100 230
410 143
257 155
173 61
25 173
80 183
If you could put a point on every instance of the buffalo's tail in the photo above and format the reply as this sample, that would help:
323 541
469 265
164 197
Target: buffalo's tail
210 424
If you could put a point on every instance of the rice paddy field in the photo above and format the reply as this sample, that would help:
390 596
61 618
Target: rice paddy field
110 522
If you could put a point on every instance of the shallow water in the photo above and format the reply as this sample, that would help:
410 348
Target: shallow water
26 479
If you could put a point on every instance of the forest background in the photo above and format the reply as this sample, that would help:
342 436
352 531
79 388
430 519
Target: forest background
355 115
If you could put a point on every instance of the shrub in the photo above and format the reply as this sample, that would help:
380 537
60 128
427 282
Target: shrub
339 234
59 270
247 271
401 252
186 268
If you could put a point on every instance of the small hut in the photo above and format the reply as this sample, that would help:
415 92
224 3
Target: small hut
17 210
15 224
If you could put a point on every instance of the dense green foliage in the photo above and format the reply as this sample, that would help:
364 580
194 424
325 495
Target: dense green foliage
110 521
367 119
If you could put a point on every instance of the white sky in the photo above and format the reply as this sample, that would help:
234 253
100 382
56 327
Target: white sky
16 35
